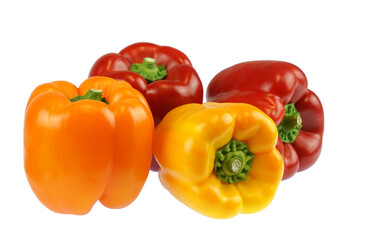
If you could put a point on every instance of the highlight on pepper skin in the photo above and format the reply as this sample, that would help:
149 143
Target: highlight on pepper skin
83 145
222 160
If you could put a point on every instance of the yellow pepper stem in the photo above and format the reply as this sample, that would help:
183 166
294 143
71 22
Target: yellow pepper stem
233 162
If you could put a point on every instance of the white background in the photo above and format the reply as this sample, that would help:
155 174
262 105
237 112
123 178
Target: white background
47 41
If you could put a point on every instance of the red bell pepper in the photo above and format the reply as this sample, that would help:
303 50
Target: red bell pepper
164 75
280 90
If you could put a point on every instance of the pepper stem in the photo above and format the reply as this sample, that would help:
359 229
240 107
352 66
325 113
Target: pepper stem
233 162
235 165
290 125
149 62
92 94
149 70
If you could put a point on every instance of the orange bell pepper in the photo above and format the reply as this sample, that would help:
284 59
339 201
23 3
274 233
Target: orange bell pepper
81 149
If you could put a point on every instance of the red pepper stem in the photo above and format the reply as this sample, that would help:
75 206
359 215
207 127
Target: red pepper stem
149 62
291 124
149 70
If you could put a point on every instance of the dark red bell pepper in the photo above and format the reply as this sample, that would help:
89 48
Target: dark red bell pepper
280 90
164 75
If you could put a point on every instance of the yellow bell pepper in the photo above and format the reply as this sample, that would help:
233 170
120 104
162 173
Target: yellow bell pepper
219 159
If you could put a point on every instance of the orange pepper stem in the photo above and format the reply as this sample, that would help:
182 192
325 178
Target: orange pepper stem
233 162
92 94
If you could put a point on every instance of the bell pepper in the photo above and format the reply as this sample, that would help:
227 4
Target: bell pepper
87 144
219 159
164 75
280 90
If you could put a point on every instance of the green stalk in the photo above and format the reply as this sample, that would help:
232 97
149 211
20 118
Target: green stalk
149 70
92 94
290 125
233 162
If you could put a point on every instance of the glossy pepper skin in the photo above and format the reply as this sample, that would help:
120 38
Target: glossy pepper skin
182 84
186 145
76 153
270 86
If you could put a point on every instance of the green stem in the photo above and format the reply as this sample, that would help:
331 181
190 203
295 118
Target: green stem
290 125
149 70
92 94
233 162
